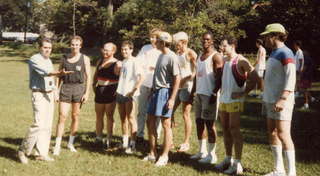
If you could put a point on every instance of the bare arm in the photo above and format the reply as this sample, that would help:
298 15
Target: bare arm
88 78
217 61
174 92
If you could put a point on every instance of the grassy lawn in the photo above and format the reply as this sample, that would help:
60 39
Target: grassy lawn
16 117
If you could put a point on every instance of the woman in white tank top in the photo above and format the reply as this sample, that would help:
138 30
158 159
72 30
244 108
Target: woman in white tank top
186 57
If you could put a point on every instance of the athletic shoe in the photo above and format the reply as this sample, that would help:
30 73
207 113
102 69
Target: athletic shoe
149 158
209 159
313 99
225 164
56 150
276 173
45 158
306 106
184 147
162 161
234 169
198 155
71 148
22 157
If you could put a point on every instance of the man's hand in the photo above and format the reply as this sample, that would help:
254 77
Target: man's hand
84 98
279 105
237 95
56 96
213 99
170 104
130 94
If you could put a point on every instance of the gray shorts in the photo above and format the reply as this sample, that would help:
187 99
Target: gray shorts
123 99
183 95
203 109
72 93
285 114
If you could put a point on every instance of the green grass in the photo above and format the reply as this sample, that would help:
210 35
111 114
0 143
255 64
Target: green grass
16 117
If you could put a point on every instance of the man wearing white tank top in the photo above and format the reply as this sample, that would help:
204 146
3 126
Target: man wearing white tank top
206 86
187 62
238 79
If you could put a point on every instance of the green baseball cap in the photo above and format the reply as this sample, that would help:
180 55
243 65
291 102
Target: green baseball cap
275 27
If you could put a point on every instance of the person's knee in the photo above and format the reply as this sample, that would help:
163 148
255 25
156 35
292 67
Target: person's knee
284 136
235 131
62 118
166 124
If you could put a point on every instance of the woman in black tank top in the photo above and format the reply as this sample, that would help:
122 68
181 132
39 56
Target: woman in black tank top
105 82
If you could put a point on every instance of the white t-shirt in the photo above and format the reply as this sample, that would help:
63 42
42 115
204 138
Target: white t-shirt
299 56
261 57
280 76
148 57
129 73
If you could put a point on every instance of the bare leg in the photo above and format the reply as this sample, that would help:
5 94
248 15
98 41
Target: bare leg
227 138
166 123
151 124
234 122
100 109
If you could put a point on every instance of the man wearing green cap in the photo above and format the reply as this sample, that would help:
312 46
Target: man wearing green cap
278 97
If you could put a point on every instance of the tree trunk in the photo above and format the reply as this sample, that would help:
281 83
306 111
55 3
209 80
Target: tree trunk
110 8
74 18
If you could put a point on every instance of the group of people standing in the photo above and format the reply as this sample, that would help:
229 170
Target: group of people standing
153 84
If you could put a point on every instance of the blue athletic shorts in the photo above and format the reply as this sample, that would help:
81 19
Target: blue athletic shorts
158 103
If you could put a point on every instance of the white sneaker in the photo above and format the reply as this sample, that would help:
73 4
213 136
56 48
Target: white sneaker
234 169
210 159
162 161
276 173
306 106
198 155
224 164
22 157
313 99
45 158
149 158
71 148
56 150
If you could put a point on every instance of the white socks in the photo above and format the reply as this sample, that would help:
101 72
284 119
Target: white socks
278 159
203 146
125 141
212 148
58 141
290 156
71 140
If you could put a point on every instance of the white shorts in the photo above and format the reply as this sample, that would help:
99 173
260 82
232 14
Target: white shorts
285 114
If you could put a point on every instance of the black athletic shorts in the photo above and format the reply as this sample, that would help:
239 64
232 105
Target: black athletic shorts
106 94
71 93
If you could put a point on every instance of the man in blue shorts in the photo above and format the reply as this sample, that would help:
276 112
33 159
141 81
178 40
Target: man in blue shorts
166 81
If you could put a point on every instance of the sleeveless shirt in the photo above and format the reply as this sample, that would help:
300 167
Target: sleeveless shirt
229 84
205 76
78 67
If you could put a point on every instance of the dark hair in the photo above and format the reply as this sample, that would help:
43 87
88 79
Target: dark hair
127 43
231 40
41 41
280 36
208 33
259 41
298 43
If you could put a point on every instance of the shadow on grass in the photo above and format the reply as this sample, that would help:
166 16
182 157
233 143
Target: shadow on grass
10 152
